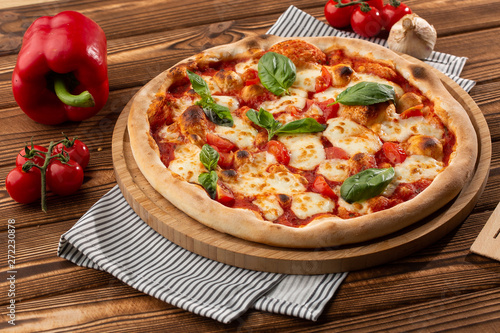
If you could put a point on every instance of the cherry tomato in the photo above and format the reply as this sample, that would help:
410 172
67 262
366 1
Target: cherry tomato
251 76
329 110
414 111
321 186
64 179
324 81
394 152
222 144
24 187
38 160
338 17
336 153
393 12
366 21
224 195
78 152
379 4
225 159
279 151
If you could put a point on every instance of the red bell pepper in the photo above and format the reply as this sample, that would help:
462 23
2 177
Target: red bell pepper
61 72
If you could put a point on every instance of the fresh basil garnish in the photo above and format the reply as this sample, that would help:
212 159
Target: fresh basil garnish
276 72
366 93
216 113
209 182
209 158
266 120
366 184
305 125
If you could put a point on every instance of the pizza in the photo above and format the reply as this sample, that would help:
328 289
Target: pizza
302 142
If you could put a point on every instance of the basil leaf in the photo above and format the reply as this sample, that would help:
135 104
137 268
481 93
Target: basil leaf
199 85
276 72
265 120
209 182
218 114
366 184
209 157
305 125
366 93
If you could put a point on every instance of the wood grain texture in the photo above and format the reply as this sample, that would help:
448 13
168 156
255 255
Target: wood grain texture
442 287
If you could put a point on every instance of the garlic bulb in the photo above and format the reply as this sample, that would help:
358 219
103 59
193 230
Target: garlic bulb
412 35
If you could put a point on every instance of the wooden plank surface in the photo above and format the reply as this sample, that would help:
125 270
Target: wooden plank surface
443 287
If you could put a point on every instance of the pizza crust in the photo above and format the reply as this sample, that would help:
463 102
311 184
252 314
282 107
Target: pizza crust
323 232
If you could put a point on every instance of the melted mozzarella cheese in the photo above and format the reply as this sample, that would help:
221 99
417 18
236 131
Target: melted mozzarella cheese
282 181
306 78
417 167
360 77
396 129
335 170
361 208
186 163
242 67
329 93
281 104
241 134
212 85
351 136
252 176
306 150
230 102
308 204
269 206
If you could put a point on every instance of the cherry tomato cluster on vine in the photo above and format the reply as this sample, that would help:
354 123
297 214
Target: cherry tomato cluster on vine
60 168
366 17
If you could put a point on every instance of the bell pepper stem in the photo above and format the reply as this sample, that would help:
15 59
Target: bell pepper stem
83 100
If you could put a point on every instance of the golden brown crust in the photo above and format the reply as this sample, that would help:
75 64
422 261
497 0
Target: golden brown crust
322 232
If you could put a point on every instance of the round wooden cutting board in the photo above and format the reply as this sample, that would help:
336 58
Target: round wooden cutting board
182 230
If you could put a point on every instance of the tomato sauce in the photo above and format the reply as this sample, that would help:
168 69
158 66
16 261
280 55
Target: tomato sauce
403 192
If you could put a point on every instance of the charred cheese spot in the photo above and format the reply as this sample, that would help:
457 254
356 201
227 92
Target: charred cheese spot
193 123
242 157
228 80
252 92
284 199
301 53
425 145
407 101
380 70
341 75
360 162
228 175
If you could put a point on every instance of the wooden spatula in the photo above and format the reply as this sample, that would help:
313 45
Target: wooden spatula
488 242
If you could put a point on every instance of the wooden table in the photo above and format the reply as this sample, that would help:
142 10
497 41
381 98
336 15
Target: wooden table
443 287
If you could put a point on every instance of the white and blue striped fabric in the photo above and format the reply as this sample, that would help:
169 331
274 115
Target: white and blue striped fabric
111 237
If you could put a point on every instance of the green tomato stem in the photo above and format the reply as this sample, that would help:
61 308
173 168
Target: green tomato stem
353 3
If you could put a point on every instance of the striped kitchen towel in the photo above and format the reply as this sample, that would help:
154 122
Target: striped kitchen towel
111 237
